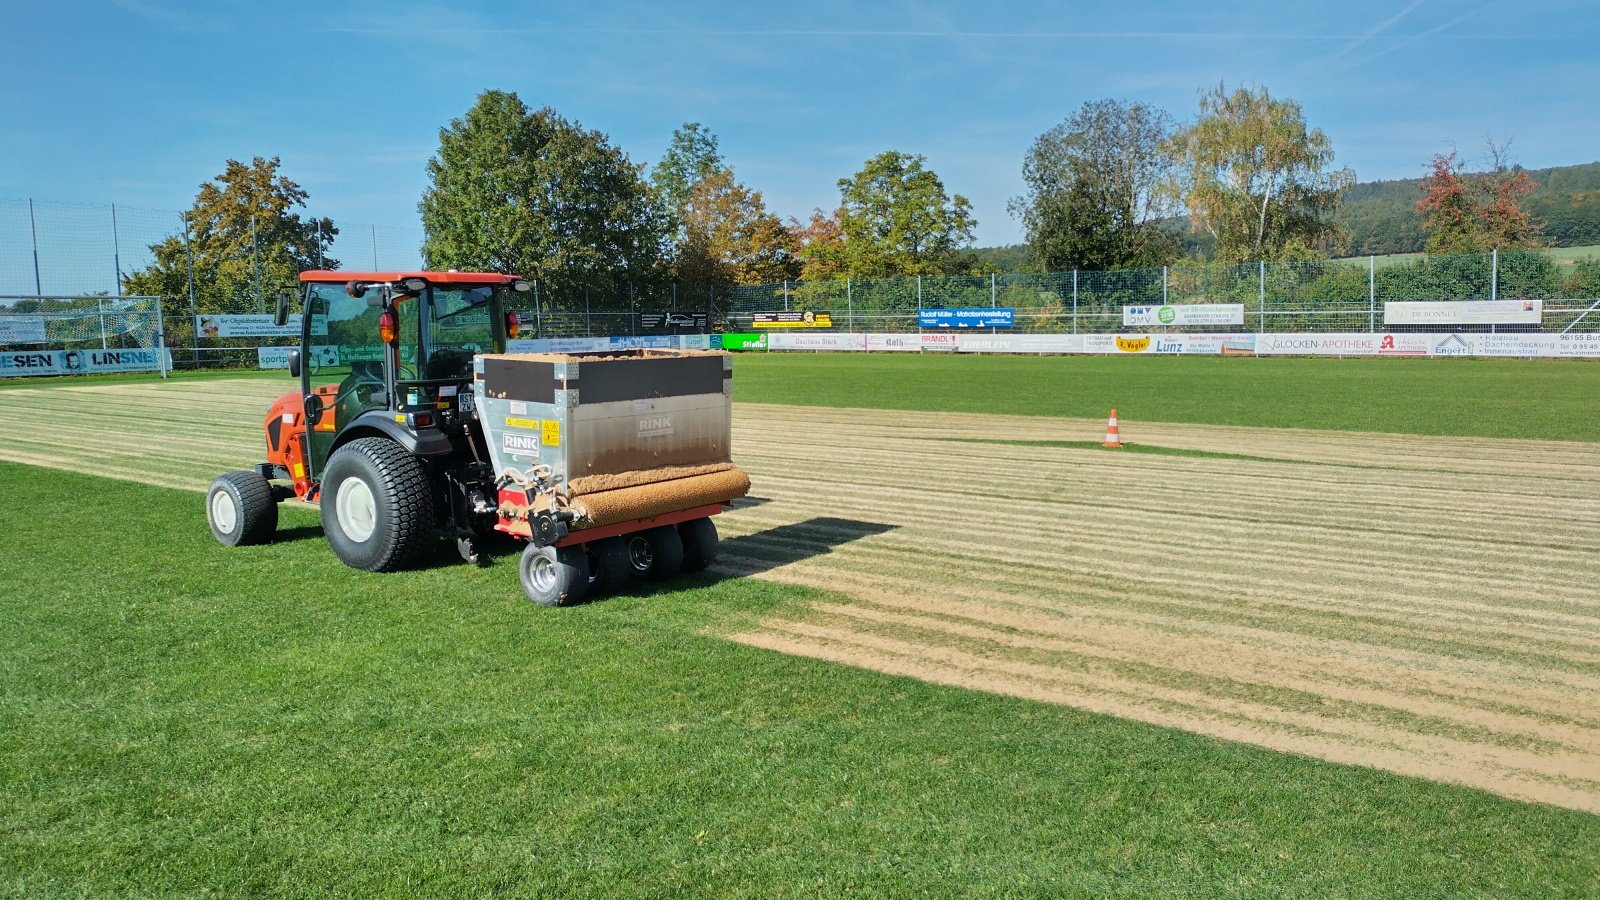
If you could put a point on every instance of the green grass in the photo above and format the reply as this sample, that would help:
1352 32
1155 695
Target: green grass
1562 256
1552 399
266 722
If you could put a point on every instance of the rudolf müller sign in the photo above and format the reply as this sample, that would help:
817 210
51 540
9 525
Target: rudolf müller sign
978 317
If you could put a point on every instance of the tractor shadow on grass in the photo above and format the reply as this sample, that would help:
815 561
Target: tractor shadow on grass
752 554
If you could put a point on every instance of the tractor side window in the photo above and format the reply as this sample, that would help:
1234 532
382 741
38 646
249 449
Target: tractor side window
344 366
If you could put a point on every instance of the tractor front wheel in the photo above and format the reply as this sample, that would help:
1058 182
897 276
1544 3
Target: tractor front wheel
241 510
377 509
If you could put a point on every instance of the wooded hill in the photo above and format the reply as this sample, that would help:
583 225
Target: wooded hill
1381 216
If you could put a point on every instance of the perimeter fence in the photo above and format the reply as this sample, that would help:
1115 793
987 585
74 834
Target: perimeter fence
1346 295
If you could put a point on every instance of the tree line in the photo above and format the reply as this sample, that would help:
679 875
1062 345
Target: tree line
1116 185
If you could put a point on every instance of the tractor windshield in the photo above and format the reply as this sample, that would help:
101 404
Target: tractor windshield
460 325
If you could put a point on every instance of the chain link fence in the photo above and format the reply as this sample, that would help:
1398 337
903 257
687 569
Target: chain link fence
79 250
1303 296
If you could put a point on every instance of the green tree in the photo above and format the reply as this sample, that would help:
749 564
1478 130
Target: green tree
1095 195
1255 178
246 242
691 157
529 192
898 220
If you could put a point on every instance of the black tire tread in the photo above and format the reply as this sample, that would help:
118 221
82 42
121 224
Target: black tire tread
699 543
258 511
403 483
612 573
668 548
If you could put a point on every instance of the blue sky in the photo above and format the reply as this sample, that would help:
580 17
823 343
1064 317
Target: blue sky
137 102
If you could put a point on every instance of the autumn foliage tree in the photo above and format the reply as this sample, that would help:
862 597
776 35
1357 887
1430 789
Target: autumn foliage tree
1476 212
821 245
729 237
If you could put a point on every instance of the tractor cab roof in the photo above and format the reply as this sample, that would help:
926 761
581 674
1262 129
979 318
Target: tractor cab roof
324 276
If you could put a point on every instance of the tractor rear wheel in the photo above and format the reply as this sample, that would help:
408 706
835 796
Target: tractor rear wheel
554 577
699 543
377 509
241 510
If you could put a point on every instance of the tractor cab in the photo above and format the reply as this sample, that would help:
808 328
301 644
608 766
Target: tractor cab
387 354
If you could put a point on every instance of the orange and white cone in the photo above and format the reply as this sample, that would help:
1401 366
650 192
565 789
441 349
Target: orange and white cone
1113 438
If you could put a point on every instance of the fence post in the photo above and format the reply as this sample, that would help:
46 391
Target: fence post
786 295
33 229
588 316
194 314
633 311
1074 301
919 298
1494 274
538 318
161 340
1163 285
1261 296
849 306
991 300
1372 293
116 250
100 306
255 264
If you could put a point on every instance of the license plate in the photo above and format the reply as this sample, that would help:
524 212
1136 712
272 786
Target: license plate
467 402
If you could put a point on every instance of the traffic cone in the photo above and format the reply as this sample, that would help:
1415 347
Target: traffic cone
1113 438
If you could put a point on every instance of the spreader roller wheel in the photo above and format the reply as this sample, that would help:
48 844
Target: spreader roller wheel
656 554
554 576
241 509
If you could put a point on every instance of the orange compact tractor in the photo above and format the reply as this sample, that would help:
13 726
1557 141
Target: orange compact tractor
411 419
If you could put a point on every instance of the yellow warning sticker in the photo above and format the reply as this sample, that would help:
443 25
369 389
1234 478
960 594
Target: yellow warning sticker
299 470
514 422
550 434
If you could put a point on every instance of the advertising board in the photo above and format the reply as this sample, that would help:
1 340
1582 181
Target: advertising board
1184 314
801 319
977 317
831 341
227 325
80 362
1463 312
22 330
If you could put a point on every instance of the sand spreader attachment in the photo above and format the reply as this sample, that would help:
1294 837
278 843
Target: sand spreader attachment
610 465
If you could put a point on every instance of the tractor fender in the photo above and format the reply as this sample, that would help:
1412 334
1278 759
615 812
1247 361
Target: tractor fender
427 443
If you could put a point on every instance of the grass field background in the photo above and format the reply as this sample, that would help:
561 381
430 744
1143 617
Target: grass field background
1551 399
180 717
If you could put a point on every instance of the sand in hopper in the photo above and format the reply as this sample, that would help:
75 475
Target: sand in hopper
658 497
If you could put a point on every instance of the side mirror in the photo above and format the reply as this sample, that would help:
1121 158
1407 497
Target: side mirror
281 316
294 362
